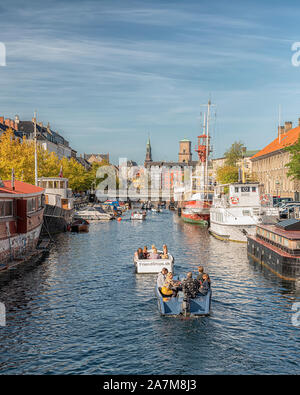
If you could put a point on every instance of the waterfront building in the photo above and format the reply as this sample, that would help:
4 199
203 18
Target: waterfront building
96 158
269 164
165 176
46 137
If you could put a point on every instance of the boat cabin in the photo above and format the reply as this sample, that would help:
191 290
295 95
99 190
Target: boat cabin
238 194
57 192
285 235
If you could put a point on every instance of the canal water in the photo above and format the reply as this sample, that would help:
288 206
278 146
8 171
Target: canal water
85 311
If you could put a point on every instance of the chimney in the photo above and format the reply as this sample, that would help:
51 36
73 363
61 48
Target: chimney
41 124
11 123
7 122
1 119
288 126
17 121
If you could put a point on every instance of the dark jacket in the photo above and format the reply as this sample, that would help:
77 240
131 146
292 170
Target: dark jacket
204 288
190 287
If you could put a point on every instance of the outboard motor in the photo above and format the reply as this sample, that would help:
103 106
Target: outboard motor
186 304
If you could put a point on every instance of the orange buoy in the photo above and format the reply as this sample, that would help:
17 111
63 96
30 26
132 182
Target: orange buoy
119 219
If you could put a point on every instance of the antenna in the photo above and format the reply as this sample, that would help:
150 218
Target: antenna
35 152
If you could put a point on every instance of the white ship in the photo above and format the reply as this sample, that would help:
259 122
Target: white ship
237 209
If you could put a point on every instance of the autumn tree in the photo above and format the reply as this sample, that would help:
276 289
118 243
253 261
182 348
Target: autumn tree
234 153
294 164
227 174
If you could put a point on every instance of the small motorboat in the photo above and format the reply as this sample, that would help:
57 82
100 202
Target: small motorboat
139 215
148 266
93 213
80 225
182 305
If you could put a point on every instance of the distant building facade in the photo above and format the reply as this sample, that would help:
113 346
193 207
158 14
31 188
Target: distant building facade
96 158
269 164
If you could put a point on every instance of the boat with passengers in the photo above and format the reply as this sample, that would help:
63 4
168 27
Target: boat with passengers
150 266
181 305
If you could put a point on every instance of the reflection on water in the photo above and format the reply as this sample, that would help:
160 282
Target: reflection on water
84 310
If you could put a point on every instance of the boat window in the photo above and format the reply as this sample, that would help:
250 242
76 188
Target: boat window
245 189
55 184
298 245
246 212
236 189
6 209
286 242
50 184
62 186
253 189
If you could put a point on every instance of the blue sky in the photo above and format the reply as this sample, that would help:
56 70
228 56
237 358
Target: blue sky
106 74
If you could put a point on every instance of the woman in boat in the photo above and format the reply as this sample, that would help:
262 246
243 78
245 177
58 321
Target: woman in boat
165 255
170 287
139 254
154 254
200 275
205 286
145 252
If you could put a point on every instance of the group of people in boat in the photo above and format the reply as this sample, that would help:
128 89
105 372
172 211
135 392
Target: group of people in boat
153 254
191 287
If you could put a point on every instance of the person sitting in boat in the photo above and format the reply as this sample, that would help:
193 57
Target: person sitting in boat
170 287
154 254
161 278
145 252
165 255
139 254
205 285
190 286
200 275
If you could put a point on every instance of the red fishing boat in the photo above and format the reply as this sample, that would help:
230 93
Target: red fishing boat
21 219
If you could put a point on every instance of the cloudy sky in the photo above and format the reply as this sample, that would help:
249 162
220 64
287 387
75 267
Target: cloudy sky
108 73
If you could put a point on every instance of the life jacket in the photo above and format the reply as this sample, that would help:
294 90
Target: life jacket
166 291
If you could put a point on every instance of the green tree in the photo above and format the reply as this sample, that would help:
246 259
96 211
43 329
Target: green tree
294 164
227 174
234 153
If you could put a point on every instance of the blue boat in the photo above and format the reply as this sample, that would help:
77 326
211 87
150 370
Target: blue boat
180 306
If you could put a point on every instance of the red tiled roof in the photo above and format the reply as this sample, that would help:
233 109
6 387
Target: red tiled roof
20 187
285 140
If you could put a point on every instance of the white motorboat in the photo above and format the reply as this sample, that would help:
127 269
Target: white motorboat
138 215
148 266
93 213
235 214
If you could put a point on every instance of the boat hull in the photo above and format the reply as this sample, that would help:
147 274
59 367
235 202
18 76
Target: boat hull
235 233
196 219
282 264
175 306
18 246
152 266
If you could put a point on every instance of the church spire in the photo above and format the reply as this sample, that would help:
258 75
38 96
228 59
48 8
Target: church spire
148 151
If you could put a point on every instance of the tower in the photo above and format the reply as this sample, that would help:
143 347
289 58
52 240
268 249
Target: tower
185 153
148 152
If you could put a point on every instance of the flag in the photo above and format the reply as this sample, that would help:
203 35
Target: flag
60 172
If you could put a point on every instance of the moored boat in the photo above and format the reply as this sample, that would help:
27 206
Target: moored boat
21 218
189 216
80 225
182 306
93 213
277 247
236 211
138 215
147 266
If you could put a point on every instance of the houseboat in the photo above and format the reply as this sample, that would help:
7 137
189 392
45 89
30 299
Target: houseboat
59 201
21 219
277 247
236 211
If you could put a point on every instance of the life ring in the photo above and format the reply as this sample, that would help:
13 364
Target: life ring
264 198
234 200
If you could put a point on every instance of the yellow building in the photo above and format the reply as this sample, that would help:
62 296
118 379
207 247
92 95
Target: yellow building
269 164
